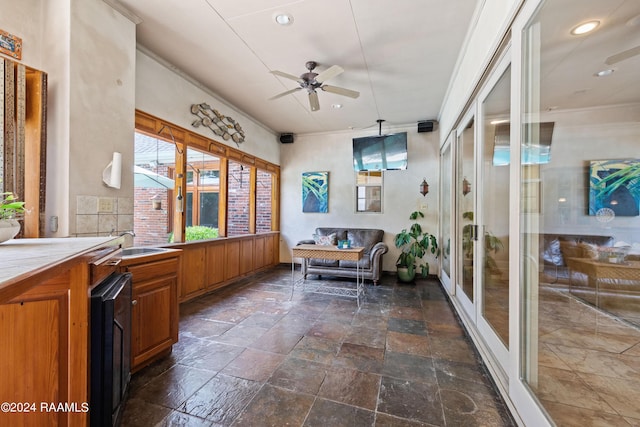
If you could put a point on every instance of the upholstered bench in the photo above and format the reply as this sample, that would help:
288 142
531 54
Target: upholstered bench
370 265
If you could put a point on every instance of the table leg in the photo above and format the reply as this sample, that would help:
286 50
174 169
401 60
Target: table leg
358 284
293 278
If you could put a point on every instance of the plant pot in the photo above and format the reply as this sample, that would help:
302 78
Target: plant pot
8 229
404 275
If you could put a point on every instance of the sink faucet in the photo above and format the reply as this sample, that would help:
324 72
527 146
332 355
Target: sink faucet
129 232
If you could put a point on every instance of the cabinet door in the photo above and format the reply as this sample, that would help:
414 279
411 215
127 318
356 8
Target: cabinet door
194 276
32 358
154 318
215 265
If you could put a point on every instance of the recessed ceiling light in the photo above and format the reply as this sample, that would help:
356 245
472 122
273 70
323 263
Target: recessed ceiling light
604 73
336 106
585 28
284 19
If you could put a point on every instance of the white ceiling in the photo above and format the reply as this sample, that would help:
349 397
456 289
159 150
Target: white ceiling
398 54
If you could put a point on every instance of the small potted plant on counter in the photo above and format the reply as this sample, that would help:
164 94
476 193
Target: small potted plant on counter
414 244
11 210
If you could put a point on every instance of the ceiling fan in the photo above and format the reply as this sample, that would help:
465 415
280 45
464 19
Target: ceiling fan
312 81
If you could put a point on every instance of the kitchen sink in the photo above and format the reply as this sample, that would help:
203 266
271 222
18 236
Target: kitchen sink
131 252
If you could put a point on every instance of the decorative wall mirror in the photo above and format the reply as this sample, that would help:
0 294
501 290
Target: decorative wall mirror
23 134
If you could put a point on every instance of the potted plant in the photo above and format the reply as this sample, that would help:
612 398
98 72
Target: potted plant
492 245
414 243
10 211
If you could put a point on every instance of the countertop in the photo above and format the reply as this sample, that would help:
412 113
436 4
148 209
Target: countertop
19 257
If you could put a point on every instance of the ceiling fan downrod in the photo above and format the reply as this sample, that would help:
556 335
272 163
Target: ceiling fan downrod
380 126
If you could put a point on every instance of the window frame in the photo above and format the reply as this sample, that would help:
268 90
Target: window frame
367 186
184 139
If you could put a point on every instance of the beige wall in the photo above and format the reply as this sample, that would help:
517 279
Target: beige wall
333 153
88 52
165 93
488 25
580 136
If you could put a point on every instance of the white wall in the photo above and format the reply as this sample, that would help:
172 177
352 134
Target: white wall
489 23
165 93
101 110
96 80
24 19
333 153
56 41
87 50
580 136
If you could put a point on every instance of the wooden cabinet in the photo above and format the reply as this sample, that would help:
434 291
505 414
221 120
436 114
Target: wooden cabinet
154 316
44 338
194 277
212 264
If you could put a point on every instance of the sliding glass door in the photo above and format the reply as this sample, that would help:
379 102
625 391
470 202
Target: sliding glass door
465 213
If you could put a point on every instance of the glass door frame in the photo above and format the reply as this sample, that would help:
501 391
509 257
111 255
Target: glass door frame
448 280
493 341
520 394
468 304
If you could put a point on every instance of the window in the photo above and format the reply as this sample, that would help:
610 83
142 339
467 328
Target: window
203 190
238 200
221 197
263 201
369 191
154 167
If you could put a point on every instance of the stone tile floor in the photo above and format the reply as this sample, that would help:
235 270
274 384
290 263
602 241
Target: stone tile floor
252 355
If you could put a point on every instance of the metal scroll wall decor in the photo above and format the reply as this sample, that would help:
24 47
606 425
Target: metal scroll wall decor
221 125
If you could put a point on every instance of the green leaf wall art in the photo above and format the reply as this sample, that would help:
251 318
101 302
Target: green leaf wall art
315 192
614 187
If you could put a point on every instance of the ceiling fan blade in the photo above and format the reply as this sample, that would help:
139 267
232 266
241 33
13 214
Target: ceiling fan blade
613 59
340 91
313 101
286 76
330 72
280 95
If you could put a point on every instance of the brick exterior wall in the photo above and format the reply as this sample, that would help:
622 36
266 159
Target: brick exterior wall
151 226
263 202
238 200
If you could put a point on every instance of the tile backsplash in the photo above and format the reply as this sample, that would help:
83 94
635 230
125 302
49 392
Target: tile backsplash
101 216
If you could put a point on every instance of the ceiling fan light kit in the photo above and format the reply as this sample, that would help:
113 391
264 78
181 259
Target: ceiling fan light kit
311 81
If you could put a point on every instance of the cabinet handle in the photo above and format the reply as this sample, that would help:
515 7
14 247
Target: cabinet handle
134 302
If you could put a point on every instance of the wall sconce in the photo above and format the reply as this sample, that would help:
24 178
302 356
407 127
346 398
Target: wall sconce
424 187
156 202
466 186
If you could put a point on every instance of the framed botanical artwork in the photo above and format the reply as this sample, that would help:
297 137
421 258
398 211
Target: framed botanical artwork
10 45
614 187
315 192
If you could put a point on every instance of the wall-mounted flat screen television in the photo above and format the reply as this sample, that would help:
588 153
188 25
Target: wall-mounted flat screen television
537 153
380 152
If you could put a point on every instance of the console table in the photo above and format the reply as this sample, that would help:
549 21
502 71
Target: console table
596 270
614 287
308 251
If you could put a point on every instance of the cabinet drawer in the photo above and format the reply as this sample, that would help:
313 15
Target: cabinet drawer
104 263
154 269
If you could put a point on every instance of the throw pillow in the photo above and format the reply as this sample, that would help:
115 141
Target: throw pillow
570 250
329 240
588 250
